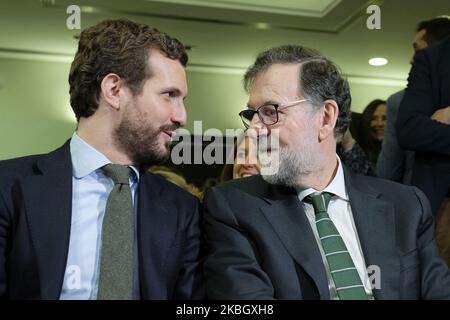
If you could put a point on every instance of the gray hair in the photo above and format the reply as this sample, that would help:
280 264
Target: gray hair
320 79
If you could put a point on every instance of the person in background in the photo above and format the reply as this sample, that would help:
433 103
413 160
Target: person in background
423 125
246 163
395 163
423 121
88 221
178 179
353 156
245 160
373 124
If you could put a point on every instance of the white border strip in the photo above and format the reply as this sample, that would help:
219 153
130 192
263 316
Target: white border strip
235 5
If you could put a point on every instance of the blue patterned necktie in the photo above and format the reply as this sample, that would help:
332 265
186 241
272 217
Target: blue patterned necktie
342 269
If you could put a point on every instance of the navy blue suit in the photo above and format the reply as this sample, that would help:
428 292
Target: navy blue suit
35 220
261 245
428 90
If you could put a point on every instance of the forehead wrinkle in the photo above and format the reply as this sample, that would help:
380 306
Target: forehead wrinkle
268 92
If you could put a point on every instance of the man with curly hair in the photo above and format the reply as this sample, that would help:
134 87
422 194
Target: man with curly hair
87 221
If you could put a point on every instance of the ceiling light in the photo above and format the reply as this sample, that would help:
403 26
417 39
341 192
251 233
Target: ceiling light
262 25
88 9
378 61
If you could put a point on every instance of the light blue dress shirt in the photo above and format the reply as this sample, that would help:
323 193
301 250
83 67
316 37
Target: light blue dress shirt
91 188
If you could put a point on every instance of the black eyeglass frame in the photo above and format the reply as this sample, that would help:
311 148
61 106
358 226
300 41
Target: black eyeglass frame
251 113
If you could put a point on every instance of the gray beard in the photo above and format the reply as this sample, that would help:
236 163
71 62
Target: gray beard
291 167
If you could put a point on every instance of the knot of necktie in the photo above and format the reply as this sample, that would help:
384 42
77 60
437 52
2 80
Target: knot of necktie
319 200
118 173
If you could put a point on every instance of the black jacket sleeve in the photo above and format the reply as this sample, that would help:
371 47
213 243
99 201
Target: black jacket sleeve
415 128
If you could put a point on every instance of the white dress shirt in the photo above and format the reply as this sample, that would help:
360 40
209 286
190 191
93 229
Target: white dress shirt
340 212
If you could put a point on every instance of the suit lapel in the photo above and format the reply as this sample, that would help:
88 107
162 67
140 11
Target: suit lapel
292 226
375 224
157 225
48 205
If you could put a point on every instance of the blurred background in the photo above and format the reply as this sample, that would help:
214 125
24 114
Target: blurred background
36 49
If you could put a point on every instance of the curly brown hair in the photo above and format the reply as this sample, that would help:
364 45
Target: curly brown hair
120 47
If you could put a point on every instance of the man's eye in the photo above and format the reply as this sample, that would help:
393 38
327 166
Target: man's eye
268 111
170 94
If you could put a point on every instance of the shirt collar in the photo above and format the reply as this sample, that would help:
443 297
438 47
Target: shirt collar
336 186
86 159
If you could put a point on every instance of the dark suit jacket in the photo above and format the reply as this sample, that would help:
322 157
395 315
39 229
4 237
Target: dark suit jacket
428 90
261 245
394 163
35 220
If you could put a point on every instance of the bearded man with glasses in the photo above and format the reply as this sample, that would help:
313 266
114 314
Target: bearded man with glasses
311 229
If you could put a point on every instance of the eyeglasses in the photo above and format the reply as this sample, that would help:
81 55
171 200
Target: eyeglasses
268 113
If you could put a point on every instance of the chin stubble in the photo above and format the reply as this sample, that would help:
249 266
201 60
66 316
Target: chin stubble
141 143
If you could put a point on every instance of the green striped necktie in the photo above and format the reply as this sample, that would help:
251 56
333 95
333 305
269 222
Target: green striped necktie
343 271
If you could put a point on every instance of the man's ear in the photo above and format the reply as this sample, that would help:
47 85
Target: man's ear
110 90
328 119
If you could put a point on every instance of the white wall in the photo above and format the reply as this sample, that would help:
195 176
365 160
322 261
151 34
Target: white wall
34 107
35 115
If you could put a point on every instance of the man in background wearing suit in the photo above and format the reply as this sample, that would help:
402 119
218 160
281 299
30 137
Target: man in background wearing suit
394 162
87 221
423 125
421 128
312 229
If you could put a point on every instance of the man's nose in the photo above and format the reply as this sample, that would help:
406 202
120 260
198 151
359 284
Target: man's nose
257 130
179 115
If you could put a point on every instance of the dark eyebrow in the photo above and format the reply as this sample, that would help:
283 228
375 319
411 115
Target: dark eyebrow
171 89
264 104
174 89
